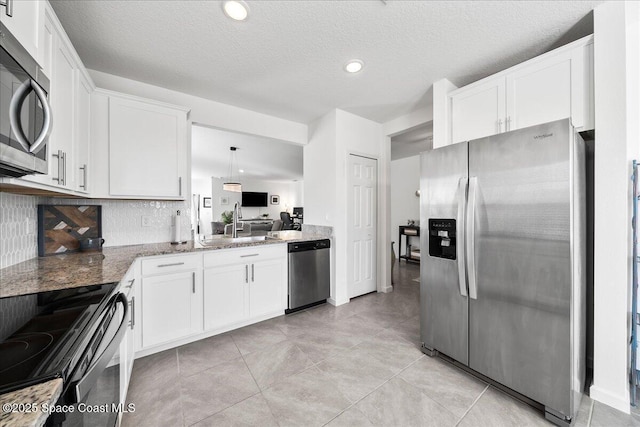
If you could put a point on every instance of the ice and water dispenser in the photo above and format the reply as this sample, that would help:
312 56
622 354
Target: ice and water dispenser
442 238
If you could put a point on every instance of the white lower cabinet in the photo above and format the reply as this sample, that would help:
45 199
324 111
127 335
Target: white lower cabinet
128 347
266 287
183 298
171 300
245 284
225 295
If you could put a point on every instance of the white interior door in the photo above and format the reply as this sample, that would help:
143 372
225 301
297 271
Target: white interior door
362 180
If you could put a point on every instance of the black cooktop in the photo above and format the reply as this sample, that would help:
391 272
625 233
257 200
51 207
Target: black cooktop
48 330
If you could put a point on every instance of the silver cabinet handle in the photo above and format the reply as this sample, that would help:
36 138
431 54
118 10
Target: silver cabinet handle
15 107
193 282
247 256
133 312
64 168
508 123
499 125
131 283
8 4
470 238
179 186
462 281
246 273
60 156
252 273
83 168
173 264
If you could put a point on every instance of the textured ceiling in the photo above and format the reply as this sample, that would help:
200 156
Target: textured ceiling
260 158
286 59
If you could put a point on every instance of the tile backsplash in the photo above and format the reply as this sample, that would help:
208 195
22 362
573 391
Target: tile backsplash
122 220
121 223
18 228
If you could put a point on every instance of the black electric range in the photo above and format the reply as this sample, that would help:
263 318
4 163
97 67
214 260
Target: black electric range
43 336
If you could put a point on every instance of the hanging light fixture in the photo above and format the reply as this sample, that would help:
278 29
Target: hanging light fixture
232 184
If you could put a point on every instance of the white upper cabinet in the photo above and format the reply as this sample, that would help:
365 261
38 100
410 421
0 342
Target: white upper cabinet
478 111
24 23
147 151
553 86
82 133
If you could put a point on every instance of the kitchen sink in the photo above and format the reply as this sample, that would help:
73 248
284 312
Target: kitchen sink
220 240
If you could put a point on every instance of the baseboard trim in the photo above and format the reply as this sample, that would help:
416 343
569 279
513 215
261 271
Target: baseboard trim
621 403
337 303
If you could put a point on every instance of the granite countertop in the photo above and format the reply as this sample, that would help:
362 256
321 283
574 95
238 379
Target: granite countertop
33 398
110 265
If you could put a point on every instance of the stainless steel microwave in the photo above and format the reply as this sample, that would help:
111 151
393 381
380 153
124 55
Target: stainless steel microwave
25 114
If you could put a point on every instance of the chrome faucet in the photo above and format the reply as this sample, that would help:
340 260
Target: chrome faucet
237 214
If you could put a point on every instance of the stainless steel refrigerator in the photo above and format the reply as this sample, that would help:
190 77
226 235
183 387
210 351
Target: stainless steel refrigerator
502 287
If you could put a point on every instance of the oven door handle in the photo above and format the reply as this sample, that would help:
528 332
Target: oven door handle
90 378
15 107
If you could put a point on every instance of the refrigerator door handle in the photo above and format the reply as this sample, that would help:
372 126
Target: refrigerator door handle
470 238
461 196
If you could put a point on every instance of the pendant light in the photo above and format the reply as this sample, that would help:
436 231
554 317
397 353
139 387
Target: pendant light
231 184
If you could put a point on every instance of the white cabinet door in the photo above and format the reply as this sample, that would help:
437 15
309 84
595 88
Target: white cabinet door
147 150
127 347
170 307
82 133
225 295
553 88
24 23
267 286
62 105
478 111
540 92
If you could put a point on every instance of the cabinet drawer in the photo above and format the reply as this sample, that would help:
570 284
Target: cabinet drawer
243 255
170 264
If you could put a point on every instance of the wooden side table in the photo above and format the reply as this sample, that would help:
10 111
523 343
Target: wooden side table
407 231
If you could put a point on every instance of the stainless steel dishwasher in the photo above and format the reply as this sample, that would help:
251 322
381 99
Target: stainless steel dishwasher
309 274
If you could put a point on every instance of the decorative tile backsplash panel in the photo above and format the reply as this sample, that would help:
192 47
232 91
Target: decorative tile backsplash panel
61 227
18 228
121 223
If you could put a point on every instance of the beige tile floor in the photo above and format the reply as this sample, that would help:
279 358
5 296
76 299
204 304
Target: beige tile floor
354 365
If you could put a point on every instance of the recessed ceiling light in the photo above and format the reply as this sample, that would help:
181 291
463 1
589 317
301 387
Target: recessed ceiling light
241 170
236 9
353 66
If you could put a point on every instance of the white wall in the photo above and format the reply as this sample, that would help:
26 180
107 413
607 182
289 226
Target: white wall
319 166
405 180
207 112
616 72
202 187
331 139
441 89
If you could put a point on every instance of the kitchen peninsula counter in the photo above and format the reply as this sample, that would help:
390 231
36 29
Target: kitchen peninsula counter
110 265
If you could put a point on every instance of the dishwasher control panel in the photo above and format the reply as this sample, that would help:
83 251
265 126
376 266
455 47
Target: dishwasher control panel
309 246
